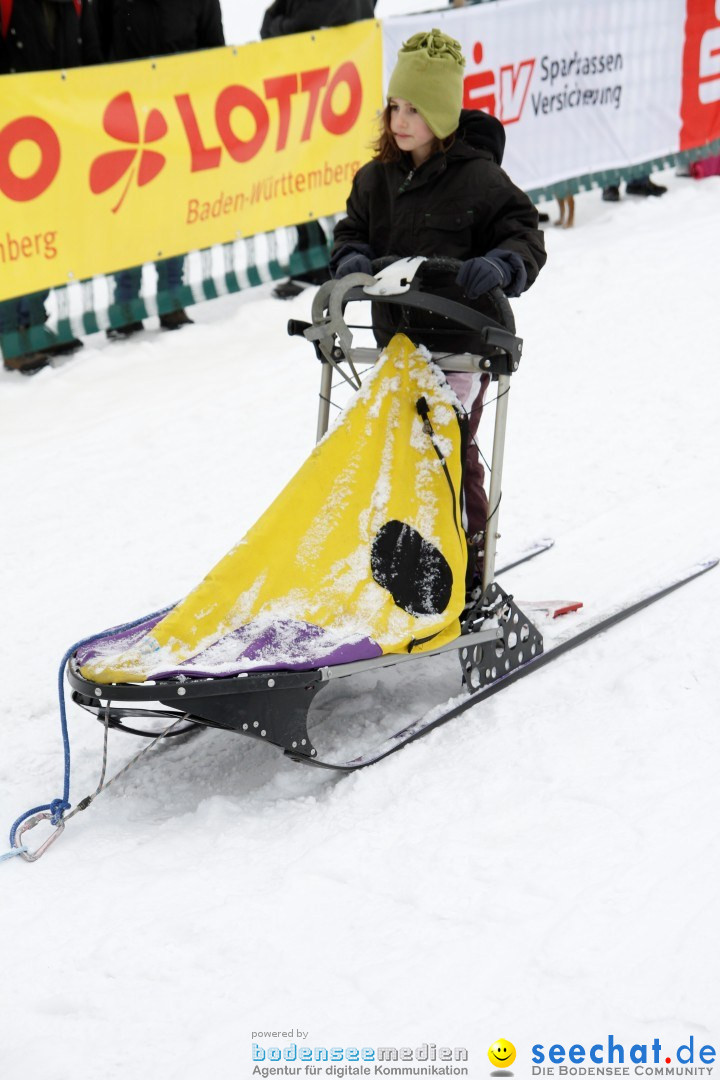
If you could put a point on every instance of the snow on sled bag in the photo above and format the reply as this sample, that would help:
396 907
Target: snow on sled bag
362 554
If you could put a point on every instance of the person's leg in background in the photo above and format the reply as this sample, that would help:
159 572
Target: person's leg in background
127 289
309 235
171 277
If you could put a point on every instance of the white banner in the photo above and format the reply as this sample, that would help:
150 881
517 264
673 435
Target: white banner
580 87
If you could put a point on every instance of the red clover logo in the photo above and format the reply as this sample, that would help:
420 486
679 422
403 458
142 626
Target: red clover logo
120 122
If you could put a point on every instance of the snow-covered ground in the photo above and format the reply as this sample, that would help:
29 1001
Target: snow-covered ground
544 869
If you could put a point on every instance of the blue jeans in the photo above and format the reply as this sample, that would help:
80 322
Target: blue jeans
170 272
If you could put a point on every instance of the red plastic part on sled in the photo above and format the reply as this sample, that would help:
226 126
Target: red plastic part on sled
567 608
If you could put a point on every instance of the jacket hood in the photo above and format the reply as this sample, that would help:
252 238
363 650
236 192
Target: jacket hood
483 132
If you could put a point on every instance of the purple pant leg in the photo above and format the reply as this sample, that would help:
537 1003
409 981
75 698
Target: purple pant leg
471 389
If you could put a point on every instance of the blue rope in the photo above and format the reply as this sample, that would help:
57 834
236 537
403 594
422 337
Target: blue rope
13 853
58 806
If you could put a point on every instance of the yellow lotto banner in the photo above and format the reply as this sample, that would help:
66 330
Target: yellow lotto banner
108 167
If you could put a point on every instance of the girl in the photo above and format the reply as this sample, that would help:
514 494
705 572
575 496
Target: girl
435 188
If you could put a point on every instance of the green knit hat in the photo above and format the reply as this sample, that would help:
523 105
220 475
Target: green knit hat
429 74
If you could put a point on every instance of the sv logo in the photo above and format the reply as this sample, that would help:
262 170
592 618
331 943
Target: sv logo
507 101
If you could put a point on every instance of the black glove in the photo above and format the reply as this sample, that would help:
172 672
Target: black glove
354 263
351 259
485 272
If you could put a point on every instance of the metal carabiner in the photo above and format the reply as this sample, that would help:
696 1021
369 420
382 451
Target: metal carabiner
32 856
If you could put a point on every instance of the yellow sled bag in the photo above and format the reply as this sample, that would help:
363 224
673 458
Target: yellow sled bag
363 553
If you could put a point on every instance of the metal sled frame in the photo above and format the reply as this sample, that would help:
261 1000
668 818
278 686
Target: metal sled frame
496 637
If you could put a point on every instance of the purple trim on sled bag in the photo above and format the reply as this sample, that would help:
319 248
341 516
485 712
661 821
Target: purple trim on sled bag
118 640
285 646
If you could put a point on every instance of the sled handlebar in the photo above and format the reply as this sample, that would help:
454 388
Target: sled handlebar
497 344
498 348
441 270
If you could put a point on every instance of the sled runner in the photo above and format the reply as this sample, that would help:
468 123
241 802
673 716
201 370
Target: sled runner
371 567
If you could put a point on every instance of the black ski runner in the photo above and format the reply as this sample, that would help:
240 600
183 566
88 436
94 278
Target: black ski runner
421 727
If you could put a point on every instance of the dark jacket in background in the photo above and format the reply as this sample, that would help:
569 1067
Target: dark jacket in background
133 29
296 16
44 35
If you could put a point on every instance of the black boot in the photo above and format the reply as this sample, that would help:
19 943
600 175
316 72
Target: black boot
175 320
287 290
644 186
28 363
63 347
117 333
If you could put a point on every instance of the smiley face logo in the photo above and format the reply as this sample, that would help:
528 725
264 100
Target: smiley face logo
502 1054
